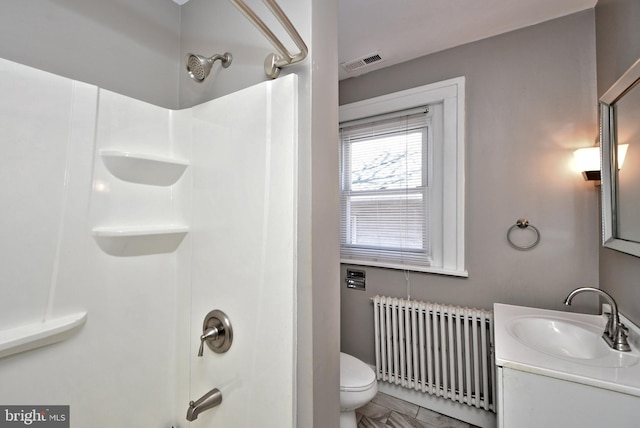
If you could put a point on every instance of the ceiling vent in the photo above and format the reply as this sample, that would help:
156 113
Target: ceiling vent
362 62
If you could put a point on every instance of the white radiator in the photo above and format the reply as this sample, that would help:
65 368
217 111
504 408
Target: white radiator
441 350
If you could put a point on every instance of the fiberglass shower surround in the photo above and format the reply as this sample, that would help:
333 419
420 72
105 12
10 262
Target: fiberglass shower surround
140 217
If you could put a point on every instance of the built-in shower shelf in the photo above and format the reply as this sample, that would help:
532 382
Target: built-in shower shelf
144 168
131 231
36 335
140 240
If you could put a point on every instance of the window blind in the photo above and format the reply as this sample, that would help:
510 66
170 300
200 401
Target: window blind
384 199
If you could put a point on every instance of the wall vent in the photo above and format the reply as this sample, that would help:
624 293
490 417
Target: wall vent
362 62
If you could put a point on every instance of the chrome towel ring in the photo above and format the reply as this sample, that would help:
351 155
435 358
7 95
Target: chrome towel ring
523 223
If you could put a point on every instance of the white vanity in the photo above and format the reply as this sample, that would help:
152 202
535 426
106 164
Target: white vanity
555 370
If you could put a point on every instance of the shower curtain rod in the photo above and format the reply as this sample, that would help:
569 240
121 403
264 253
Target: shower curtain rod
274 62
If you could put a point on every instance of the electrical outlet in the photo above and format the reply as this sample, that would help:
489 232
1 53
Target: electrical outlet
356 279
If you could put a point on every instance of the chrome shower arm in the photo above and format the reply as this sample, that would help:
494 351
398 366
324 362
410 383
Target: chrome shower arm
273 62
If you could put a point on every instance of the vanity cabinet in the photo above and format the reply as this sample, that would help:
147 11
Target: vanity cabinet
529 400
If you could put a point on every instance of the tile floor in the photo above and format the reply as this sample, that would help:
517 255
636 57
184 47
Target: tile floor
385 411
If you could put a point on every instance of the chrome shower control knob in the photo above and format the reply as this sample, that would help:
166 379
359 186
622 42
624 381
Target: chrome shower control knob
210 334
216 332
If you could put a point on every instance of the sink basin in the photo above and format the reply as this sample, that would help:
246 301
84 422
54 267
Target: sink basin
569 339
565 345
560 337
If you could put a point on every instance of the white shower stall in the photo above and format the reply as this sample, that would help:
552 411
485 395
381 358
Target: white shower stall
144 219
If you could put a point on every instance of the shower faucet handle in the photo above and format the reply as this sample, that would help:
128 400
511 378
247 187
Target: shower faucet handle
211 334
216 332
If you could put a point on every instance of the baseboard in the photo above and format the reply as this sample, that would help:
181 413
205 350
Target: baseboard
471 415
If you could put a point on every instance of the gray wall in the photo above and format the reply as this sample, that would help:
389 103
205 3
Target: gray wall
209 27
322 170
531 100
128 47
617 48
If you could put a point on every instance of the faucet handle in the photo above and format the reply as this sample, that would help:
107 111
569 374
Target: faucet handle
216 332
210 334
620 341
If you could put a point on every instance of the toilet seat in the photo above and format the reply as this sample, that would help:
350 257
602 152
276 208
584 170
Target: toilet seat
355 376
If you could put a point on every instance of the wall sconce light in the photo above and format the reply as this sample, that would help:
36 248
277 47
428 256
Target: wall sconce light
588 161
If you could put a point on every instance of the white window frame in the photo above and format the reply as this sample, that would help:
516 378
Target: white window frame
446 194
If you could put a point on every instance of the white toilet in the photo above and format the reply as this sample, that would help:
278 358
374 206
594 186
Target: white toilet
358 386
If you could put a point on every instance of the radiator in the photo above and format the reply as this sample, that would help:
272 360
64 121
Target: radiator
437 349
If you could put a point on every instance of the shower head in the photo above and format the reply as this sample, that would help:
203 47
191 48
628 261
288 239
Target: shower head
199 66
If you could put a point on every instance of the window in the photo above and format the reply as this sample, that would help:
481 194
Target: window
384 187
402 180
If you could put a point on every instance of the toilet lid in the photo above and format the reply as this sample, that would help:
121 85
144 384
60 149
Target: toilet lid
354 374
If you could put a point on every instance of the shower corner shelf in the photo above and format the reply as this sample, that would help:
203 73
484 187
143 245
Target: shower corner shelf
36 335
139 240
144 168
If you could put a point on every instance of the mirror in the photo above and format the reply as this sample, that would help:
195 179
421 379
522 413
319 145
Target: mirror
620 125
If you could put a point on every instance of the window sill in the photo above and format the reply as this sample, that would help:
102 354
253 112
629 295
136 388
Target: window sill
423 269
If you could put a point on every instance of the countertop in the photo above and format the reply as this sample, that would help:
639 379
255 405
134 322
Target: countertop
510 352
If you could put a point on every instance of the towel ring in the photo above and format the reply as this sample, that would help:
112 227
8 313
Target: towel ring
523 223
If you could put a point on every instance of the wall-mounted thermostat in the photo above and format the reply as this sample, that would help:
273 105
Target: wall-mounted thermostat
355 279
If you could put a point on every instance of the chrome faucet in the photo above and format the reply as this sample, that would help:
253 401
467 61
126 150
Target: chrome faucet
615 333
209 400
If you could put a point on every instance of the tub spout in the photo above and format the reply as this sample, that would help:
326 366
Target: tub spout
209 400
